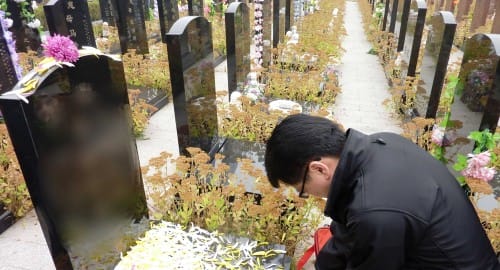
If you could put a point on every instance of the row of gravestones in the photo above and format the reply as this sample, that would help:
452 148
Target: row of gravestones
72 18
74 142
426 47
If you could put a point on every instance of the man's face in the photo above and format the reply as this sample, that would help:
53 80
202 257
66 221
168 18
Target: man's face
317 178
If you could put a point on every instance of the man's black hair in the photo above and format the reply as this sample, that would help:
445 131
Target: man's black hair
296 141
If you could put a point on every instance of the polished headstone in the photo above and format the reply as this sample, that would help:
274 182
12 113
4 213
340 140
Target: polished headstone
289 14
195 7
413 41
27 38
387 16
477 96
8 74
238 45
191 63
131 26
402 20
267 30
279 12
107 12
393 15
435 62
168 12
79 159
70 18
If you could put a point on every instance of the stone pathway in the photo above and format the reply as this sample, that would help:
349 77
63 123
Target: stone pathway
363 82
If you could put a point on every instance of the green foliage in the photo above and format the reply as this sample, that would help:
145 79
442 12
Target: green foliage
13 191
206 195
485 140
94 10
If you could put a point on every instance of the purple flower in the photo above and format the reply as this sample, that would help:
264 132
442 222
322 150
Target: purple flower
11 44
61 48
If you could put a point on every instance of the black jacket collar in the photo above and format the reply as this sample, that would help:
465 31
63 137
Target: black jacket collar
344 177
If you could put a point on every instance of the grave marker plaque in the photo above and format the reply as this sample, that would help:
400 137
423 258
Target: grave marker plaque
289 15
416 23
195 7
477 96
435 62
168 11
387 15
190 54
70 18
267 30
238 45
107 12
402 23
8 74
131 26
78 156
394 14
26 38
279 12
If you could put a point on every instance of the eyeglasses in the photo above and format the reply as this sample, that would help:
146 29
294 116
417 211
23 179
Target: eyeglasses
303 194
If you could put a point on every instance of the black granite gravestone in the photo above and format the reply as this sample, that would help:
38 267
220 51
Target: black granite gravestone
107 12
289 15
75 147
416 23
146 8
279 12
191 63
435 62
168 11
403 22
27 38
195 7
387 15
131 26
8 74
70 18
267 30
297 9
477 96
479 87
8 78
238 45
393 16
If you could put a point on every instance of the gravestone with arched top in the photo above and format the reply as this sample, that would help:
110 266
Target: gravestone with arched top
238 45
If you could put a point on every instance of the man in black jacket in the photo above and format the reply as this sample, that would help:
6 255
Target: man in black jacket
393 205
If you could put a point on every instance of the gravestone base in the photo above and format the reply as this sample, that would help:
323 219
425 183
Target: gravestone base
156 98
7 219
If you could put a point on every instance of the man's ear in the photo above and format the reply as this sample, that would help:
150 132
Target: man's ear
319 168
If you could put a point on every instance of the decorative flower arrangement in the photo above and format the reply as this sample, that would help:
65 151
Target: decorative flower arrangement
61 48
441 137
477 167
480 163
6 23
26 12
206 195
169 246
59 51
258 32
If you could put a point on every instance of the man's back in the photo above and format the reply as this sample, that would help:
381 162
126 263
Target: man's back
404 210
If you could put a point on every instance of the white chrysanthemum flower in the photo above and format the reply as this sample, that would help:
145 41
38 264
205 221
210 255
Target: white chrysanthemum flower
34 24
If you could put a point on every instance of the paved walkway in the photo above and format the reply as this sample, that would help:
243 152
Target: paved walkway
364 85
359 106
